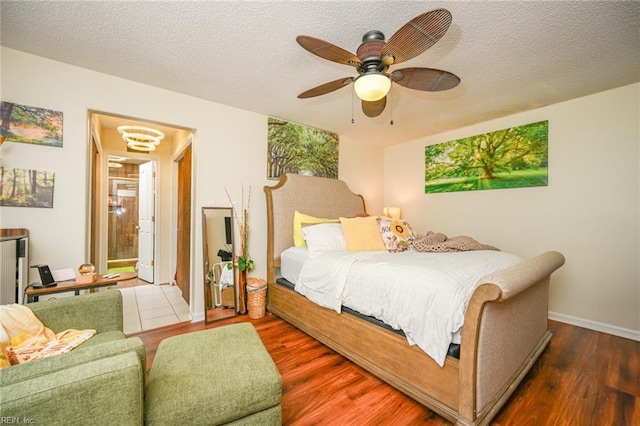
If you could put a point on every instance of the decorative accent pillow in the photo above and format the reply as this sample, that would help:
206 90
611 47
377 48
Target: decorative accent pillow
298 220
362 234
322 237
396 234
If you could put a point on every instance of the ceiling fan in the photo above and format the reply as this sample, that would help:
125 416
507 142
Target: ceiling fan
375 56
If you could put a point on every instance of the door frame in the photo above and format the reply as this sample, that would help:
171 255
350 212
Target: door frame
190 141
104 208
95 225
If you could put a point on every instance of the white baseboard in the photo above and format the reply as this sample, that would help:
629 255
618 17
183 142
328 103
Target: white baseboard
197 317
597 326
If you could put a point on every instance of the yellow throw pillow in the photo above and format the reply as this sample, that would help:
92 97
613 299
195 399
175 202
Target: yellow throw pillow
298 220
362 234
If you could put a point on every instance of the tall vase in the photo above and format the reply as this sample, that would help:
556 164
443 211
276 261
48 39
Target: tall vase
242 292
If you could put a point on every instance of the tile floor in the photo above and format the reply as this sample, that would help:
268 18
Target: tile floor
150 306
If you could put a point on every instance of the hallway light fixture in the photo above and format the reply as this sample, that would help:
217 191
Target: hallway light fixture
115 161
141 138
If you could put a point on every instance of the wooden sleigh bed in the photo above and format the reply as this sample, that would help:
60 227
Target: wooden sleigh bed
505 328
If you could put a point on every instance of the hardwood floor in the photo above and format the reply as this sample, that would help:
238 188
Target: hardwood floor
583 378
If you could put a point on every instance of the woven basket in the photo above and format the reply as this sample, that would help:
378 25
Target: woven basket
257 297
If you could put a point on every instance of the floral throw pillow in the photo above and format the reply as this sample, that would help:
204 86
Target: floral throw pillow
396 234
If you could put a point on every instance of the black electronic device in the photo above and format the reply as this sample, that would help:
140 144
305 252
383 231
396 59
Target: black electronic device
227 229
46 278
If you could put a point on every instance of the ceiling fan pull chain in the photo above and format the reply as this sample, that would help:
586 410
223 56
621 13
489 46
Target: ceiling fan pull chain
391 107
352 102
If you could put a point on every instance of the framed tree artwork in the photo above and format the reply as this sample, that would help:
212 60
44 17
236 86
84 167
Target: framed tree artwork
26 188
294 148
32 125
510 158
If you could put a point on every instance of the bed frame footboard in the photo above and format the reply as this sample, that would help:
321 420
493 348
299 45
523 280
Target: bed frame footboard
505 331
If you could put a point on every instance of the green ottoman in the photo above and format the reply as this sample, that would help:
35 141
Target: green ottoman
217 376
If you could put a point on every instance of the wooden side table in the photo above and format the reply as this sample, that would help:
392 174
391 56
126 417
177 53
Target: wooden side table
34 293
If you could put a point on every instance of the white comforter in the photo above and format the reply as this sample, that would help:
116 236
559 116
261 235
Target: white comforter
423 294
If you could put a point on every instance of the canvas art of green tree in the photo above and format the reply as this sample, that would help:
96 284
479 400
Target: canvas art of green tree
293 148
510 158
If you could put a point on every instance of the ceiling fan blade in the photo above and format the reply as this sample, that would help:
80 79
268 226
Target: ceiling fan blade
416 36
425 79
323 89
375 108
329 51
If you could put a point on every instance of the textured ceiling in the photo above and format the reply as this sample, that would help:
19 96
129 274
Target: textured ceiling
511 56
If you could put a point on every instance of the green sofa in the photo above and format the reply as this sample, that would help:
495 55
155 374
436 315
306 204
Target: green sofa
219 376
101 382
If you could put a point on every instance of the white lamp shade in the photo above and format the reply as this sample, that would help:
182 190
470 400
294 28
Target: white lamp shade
392 212
372 87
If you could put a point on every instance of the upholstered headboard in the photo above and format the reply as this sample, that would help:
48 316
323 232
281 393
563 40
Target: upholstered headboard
315 196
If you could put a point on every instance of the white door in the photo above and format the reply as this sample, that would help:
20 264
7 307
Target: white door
146 221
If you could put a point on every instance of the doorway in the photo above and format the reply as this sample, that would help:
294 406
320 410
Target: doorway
122 219
119 199
131 216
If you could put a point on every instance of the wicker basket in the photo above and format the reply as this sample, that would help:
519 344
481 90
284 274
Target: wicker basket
257 297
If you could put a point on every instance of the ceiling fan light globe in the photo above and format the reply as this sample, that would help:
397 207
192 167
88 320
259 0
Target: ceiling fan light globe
372 87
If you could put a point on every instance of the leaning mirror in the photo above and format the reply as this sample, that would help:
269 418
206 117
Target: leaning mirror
219 280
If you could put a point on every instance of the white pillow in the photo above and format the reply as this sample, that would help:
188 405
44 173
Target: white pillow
323 237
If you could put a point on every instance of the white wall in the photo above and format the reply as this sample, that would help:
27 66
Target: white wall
361 167
230 150
589 211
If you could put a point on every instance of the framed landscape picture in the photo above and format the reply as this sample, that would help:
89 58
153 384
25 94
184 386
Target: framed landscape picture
33 125
294 148
510 158
26 188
